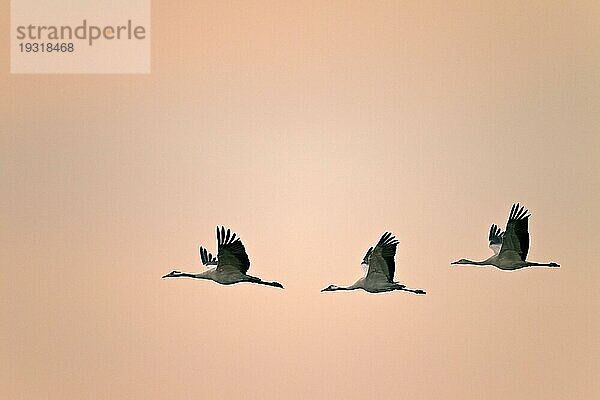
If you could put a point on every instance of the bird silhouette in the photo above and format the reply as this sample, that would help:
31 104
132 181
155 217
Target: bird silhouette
510 247
380 269
231 263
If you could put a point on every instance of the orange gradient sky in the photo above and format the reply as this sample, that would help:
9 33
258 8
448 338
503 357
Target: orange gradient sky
309 128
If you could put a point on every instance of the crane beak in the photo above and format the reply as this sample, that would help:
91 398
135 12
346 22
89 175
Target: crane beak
172 274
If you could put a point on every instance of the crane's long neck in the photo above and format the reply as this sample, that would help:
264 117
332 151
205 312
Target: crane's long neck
333 288
351 287
484 262
188 275
177 274
493 260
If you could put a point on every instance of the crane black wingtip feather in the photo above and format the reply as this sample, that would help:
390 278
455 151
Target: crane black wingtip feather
518 212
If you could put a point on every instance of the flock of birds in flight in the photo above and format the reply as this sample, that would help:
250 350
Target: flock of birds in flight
232 263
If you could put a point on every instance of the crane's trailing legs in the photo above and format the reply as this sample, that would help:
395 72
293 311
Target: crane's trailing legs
261 282
415 291
550 264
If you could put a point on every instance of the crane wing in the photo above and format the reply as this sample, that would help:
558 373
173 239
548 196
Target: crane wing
495 238
206 257
516 238
366 257
231 251
365 262
381 259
